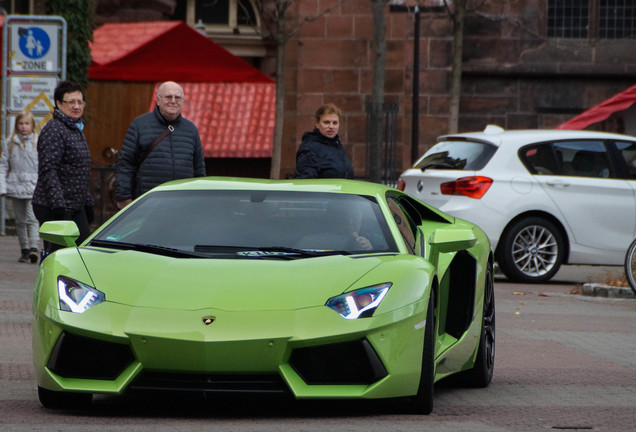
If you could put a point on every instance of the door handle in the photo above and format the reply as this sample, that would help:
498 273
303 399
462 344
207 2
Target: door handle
557 183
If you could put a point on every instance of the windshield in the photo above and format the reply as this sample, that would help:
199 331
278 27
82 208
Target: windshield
264 223
459 155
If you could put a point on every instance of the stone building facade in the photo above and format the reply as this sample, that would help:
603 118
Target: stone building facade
525 65
522 68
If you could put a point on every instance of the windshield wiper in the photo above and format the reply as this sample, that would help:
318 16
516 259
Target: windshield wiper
259 252
149 248
302 252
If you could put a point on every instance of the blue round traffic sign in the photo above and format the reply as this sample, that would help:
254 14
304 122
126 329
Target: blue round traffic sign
34 42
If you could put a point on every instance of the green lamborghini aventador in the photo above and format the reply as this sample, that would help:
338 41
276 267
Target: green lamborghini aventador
310 288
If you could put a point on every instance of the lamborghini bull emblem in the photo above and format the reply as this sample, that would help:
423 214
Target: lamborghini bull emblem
207 320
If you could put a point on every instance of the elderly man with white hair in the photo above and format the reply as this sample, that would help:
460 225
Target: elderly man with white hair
159 146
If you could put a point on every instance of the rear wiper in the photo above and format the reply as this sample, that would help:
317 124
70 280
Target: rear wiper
149 248
438 165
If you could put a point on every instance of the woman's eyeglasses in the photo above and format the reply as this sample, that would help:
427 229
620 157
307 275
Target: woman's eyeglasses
74 102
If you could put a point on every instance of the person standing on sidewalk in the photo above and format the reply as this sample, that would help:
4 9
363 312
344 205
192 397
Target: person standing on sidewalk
64 165
18 176
159 146
320 154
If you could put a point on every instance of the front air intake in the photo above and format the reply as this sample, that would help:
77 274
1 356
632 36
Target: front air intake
81 357
343 363
210 383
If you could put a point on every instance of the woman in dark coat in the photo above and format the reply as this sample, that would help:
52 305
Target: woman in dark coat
320 154
64 164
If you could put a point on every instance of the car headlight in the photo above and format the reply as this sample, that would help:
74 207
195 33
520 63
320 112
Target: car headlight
360 303
76 296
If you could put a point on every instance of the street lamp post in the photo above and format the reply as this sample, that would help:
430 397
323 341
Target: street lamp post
415 122
399 7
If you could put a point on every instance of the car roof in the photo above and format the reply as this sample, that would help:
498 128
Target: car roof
496 135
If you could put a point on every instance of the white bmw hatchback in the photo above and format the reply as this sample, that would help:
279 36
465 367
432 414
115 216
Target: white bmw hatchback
543 197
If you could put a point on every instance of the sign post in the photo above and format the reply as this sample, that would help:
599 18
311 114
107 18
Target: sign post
33 62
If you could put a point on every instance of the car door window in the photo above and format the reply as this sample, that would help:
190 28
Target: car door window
415 213
628 152
540 159
404 223
584 159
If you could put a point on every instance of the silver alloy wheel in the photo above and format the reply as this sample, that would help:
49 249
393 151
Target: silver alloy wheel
535 250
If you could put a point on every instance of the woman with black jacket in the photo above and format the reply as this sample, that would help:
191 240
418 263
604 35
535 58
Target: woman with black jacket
320 154
62 191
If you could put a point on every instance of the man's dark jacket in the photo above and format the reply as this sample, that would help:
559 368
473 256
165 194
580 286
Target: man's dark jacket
322 157
179 155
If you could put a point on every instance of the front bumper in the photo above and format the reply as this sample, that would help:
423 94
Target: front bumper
310 353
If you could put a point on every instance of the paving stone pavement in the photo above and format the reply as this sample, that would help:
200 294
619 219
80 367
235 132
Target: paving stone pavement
564 362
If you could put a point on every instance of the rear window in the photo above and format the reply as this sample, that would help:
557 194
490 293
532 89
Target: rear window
458 155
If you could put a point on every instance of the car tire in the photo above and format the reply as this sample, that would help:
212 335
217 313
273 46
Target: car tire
481 373
62 400
531 250
422 402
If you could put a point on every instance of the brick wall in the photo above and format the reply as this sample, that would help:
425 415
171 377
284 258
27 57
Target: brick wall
513 75
333 60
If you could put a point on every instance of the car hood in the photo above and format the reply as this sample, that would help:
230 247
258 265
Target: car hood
148 280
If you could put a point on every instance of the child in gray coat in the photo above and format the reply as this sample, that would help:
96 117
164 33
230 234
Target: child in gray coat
18 176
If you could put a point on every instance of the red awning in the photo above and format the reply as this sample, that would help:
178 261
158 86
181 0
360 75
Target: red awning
235 120
164 51
231 102
602 111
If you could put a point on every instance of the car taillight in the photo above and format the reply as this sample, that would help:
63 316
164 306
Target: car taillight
472 187
401 185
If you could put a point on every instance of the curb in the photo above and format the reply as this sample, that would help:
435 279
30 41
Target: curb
599 290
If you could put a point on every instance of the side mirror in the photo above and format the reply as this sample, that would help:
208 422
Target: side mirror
64 233
445 240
